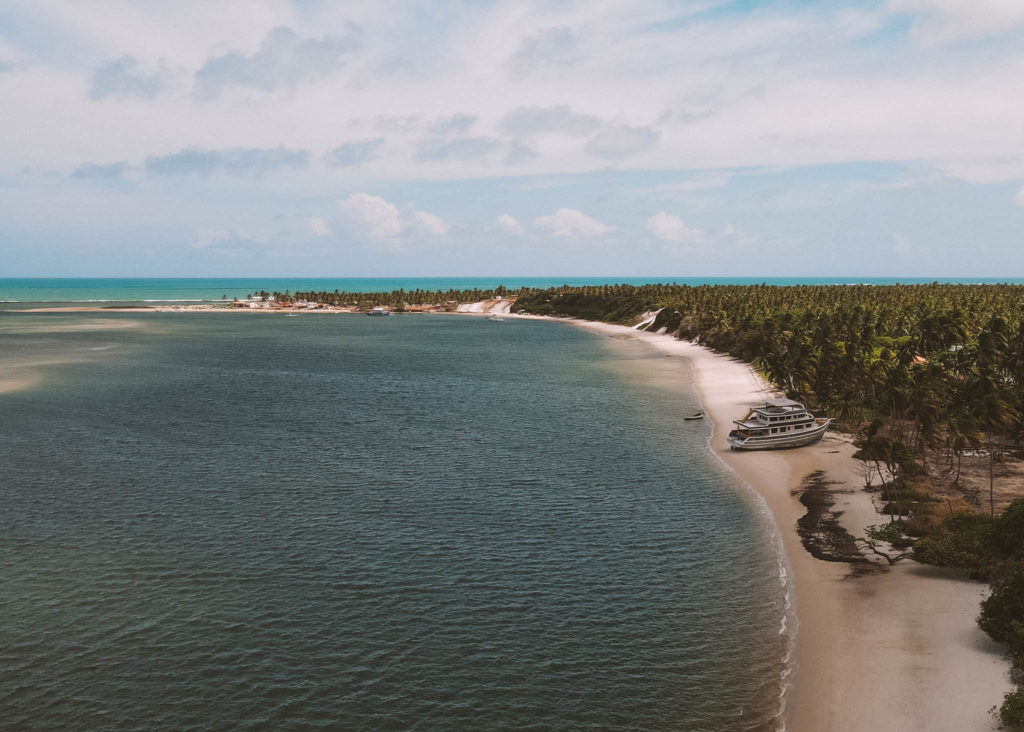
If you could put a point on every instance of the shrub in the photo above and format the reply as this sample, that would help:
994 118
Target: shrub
963 541
1002 612
1008 532
907 494
892 509
1011 714
886 532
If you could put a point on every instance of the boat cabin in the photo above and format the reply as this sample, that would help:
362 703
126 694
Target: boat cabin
778 423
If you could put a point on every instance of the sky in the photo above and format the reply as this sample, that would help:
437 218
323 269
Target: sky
594 138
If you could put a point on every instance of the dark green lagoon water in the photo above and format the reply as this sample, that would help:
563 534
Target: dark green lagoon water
247 521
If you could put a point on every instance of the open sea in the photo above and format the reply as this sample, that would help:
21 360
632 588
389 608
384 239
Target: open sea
419 522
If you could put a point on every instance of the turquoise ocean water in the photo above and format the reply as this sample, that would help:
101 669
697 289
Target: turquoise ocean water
86 290
217 521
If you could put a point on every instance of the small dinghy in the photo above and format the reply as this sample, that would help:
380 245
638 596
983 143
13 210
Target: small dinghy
696 415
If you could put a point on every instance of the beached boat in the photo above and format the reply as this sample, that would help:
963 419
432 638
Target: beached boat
779 423
378 311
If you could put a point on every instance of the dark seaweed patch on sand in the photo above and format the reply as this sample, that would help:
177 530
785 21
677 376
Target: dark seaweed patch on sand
820 530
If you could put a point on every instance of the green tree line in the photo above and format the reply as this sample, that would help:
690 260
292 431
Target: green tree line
396 299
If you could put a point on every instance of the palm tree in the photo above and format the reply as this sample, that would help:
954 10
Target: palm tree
962 433
995 411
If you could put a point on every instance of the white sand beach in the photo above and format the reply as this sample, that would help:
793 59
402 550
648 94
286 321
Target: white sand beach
893 650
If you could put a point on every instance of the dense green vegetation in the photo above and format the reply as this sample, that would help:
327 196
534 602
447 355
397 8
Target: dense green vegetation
861 352
396 299
937 365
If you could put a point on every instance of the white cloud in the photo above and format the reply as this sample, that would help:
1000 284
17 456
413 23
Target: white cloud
549 47
949 21
284 60
318 226
234 161
354 154
458 148
1019 198
559 118
432 224
88 171
457 124
739 238
509 225
210 237
396 124
568 223
747 97
121 78
382 219
291 117
622 141
519 152
379 218
671 228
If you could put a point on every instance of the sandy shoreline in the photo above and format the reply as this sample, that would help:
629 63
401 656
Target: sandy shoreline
895 649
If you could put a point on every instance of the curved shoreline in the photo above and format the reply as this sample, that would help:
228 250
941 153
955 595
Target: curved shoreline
897 649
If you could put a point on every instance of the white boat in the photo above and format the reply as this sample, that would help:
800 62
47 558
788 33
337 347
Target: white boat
378 311
779 423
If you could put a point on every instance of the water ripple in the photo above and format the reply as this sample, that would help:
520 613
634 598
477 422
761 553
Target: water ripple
408 525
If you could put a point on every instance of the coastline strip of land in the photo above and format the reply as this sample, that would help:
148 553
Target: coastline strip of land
893 649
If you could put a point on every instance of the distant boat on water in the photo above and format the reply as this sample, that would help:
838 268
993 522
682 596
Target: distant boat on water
379 310
696 415
779 423
496 319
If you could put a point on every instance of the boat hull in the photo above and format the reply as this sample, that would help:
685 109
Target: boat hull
780 442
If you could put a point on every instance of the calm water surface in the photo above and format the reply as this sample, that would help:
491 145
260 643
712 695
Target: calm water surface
216 521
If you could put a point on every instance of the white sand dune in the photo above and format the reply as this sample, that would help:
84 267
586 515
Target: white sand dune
498 306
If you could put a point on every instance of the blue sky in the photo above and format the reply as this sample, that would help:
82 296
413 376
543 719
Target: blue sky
594 138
